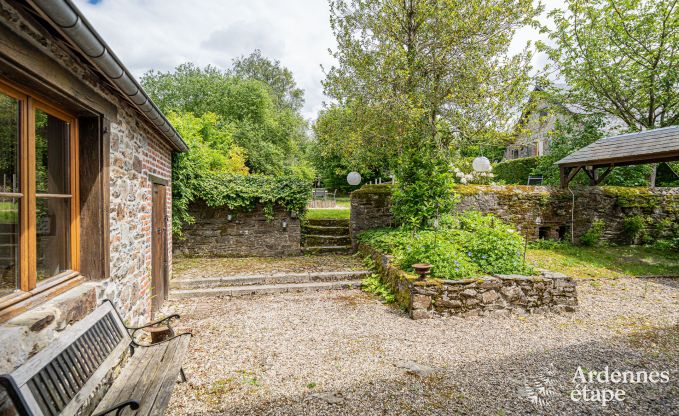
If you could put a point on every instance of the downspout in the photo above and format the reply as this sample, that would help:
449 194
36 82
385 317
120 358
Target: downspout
67 17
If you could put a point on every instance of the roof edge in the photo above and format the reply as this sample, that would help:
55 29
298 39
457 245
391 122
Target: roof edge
68 20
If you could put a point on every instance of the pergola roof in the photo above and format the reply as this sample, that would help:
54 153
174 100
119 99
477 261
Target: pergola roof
650 146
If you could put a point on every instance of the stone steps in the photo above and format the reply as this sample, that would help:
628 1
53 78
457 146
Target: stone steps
250 290
327 236
326 230
328 250
266 279
326 240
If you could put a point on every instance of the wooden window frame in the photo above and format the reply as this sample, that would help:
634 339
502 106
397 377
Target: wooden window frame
28 285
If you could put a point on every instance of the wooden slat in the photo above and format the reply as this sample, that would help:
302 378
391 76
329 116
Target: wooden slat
165 389
153 380
37 362
126 383
92 384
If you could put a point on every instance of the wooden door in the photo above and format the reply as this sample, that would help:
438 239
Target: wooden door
159 276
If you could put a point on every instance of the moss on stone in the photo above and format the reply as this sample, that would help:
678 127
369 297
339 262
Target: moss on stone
373 189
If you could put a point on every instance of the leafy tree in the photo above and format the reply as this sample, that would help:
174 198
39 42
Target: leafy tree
212 151
278 78
431 68
443 65
620 58
349 138
270 136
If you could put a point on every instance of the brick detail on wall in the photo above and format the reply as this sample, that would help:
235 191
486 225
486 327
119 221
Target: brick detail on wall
135 154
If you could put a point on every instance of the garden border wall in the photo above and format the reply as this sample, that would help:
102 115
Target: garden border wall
246 234
658 210
498 295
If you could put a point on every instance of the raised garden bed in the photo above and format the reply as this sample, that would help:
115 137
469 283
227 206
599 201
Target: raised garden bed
497 295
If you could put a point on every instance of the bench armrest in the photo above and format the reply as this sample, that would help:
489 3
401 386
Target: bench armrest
133 329
118 408
156 322
135 344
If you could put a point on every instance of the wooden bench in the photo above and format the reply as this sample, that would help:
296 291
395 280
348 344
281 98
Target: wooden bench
62 378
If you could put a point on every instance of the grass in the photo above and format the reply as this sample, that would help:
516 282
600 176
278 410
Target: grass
328 213
598 262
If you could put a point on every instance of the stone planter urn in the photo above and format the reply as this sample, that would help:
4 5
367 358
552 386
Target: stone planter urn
422 269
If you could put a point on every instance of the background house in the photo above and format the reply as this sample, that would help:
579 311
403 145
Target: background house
85 171
539 120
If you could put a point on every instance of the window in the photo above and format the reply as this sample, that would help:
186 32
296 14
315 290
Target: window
38 205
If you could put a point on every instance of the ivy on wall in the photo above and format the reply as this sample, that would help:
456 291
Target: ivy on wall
241 193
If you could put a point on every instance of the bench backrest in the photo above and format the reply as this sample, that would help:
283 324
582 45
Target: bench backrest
60 378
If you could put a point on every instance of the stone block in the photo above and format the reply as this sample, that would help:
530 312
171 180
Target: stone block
420 301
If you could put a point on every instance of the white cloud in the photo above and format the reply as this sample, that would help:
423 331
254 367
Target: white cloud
161 34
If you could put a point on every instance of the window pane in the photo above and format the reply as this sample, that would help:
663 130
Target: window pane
9 245
51 154
9 144
52 229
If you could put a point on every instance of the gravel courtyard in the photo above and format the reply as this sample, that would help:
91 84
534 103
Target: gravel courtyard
345 353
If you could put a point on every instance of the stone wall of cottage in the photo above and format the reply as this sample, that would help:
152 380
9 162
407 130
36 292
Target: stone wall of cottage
226 233
135 154
614 207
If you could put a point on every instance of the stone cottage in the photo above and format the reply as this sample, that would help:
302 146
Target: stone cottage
533 132
85 180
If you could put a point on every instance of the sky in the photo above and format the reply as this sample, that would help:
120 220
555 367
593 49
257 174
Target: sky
161 34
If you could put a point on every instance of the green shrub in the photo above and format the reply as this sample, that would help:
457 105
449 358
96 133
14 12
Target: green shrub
515 171
466 245
634 226
593 235
424 189
373 284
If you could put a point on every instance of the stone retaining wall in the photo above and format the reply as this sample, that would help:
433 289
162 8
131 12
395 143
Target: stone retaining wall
244 234
521 205
497 295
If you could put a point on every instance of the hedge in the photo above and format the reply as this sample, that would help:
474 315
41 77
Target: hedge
515 171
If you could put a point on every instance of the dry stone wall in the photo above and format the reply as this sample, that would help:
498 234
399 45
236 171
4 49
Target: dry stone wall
560 211
225 233
498 295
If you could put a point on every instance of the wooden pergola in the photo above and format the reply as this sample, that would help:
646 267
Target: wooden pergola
600 157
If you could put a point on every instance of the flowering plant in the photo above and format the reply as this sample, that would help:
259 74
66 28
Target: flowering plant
473 177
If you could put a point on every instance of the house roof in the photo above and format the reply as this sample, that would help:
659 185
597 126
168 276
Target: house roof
69 22
649 146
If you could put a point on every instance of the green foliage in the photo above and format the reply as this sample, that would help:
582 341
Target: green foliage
279 79
466 245
238 193
272 134
592 236
244 193
411 76
634 226
373 284
515 171
423 190
352 138
619 58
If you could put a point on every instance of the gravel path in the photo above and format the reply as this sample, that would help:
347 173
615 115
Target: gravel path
345 353
196 267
